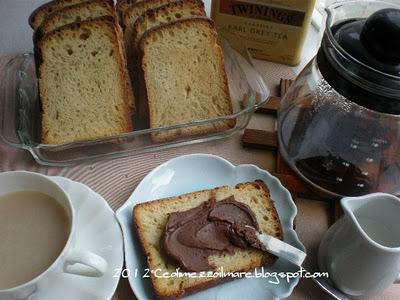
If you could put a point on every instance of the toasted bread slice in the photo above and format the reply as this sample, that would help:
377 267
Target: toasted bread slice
191 83
133 11
129 12
128 19
150 219
76 13
152 18
40 13
167 13
83 82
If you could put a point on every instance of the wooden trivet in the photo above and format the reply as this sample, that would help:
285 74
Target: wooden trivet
268 140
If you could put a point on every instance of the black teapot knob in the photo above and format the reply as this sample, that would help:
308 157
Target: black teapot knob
380 35
365 69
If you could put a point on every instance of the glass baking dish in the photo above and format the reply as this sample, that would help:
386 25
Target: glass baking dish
20 113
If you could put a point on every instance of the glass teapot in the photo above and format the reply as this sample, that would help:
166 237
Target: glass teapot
339 123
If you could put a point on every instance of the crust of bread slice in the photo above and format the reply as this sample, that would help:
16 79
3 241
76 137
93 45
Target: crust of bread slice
123 5
150 219
129 12
111 31
40 13
133 11
76 13
151 18
217 75
163 14
128 20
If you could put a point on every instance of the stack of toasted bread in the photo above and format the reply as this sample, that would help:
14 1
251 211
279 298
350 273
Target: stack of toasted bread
85 51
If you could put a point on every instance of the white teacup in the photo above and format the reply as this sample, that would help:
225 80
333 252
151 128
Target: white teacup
71 259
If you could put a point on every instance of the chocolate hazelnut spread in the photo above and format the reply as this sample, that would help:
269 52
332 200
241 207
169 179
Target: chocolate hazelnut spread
193 235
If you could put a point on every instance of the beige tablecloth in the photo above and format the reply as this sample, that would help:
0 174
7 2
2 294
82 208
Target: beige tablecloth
116 179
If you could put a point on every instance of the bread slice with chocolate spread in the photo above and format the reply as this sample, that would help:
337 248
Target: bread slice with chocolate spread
150 219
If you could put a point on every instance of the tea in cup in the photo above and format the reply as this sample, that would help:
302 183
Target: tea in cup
37 233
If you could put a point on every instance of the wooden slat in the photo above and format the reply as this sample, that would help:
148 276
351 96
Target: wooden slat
273 104
297 187
260 139
284 86
282 167
271 107
292 183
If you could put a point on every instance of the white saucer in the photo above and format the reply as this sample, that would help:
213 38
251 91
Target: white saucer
98 231
197 172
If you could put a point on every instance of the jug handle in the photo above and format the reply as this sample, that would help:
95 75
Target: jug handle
397 279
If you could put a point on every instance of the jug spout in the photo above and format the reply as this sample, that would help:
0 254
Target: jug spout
352 204
376 218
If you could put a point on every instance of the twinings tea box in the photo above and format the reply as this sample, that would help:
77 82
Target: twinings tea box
272 30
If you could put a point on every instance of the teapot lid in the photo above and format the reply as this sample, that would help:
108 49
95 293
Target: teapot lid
360 58
374 41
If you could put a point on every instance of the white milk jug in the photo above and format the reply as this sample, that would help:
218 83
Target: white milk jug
361 251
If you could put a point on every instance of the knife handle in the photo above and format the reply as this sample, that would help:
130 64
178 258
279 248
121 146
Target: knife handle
282 249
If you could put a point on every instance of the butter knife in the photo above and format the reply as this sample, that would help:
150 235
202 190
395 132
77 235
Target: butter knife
295 256
279 248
